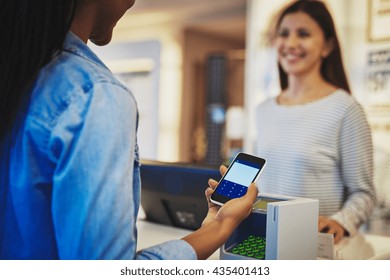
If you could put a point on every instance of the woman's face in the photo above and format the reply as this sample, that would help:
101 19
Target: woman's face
107 15
300 44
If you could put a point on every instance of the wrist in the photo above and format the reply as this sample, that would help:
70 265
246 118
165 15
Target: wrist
224 227
212 235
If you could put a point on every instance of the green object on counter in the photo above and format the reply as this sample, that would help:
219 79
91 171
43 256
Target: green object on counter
251 247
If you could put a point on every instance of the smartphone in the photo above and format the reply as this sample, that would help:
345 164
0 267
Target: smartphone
243 170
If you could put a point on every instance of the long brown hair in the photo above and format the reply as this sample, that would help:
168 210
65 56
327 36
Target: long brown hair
332 69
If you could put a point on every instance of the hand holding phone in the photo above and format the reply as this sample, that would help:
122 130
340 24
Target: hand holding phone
243 170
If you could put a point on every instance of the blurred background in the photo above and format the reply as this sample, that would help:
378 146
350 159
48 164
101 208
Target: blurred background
199 68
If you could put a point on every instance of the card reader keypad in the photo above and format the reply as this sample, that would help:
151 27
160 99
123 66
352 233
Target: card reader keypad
252 247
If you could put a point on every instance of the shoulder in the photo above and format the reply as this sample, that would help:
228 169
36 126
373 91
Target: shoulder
353 118
344 98
73 79
340 102
267 103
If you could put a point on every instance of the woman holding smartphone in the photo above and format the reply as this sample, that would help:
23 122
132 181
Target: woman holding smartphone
314 134
69 163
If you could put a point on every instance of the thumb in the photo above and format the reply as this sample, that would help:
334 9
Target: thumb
249 198
251 193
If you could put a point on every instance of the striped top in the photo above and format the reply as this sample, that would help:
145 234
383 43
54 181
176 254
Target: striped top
321 150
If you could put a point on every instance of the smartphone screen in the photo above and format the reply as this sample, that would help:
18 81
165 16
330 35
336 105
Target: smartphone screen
243 170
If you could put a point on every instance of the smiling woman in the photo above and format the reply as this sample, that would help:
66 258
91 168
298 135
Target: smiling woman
314 134
315 24
302 45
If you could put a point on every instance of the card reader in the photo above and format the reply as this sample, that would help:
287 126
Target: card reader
279 227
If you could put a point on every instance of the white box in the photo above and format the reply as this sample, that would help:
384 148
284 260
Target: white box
288 224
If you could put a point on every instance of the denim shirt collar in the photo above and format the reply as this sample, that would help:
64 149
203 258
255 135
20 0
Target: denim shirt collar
75 45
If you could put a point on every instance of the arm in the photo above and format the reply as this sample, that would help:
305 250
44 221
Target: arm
220 221
93 201
356 154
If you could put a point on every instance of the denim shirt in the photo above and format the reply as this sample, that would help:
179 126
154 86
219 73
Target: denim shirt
73 188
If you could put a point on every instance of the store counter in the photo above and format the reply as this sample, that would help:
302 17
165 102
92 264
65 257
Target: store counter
150 234
359 247
364 246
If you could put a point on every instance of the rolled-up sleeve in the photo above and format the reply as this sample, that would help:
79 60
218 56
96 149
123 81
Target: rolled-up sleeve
170 250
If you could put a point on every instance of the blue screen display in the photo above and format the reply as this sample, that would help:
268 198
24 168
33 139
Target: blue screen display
236 182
